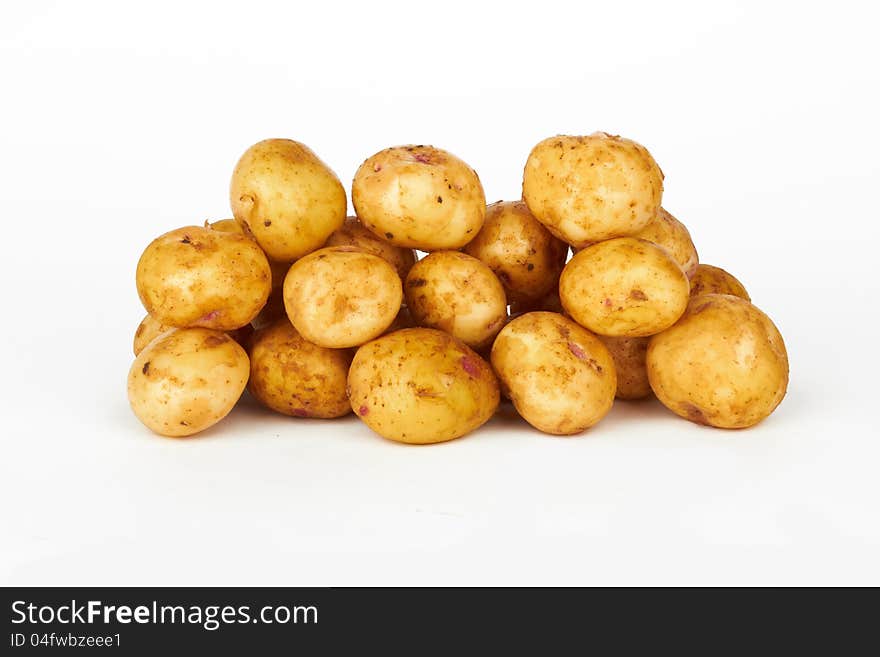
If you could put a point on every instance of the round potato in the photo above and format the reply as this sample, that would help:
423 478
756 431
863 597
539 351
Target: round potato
624 287
558 375
353 233
295 377
588 189
279 269
629 362
419 197
667 231
723 363
340 296
195 276
525 257
458 294
287 198
714 280
187 380
148 330
421 386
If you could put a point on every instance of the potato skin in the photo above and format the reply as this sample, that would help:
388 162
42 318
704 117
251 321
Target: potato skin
419 197
354 233
524 255
624 287
458 294
559 376
287 198
629 356
714 280
195 276
723 364
279 269
667 231
340 296
295 377
148 330
187 380
421 386
593 188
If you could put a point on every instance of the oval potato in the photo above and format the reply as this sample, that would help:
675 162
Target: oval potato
667 231
714 280
354 233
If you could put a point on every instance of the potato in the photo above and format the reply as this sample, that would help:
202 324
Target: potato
279 269
667 231
624 287
421 386
419 197
629 362
588 189
295 377
714 280
227 226
195 276
458 294
354 233
148 330
723 363
287 198
187 380
525 257
340 296
550 302
558 375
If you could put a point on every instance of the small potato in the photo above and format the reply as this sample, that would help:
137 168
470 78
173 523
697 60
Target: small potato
558 375
421 386
723 363
588 189
295 377
340 296
354 233
525 257
287 198
187 380
227 226
624 287
148 330
279 269
667 231
419 197
714 280
458 294
195 276
629 362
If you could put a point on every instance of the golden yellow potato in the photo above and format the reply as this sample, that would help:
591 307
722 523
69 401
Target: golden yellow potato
227 226
419 197
624 287
421 386
558 375
148 330
593 188
196 276
525 257
629 362
354 233
723 363
714 280
340 296
667 231
458 294
287 198
279 269
187 380
295 377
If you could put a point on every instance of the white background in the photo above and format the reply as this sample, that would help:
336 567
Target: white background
119 122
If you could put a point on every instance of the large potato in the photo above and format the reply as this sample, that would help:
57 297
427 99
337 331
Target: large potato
629 362
196 276
187 380
354 233
588 189
723 363
714 280
624 287
525 257
667 231
458 294
421 386
340 296
419 197
295 377
558 375
284 195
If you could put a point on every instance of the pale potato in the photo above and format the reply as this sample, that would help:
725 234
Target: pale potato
667 231
186 380
593 188
340 296
723 363
195 276
287 198
419 197
148 330
629 362
354 233
421 386
559 376
714 280
624 287
458 294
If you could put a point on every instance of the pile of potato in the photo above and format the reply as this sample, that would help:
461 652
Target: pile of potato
318 314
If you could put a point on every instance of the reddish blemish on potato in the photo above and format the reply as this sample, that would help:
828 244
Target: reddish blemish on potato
470 365
577 351
608 303
424 158
301 412
209 317
363 410
694 413
215 340
638 295
377 168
